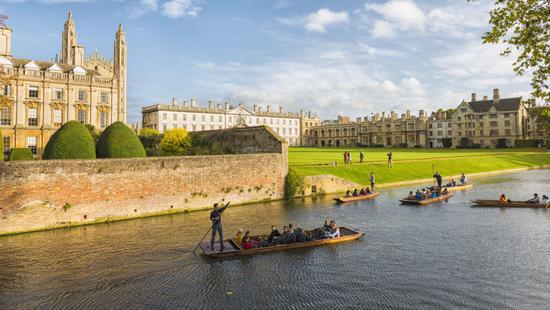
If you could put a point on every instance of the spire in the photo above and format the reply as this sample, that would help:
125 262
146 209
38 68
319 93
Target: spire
70 17
120 27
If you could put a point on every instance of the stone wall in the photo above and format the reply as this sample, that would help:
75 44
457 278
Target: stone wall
41 194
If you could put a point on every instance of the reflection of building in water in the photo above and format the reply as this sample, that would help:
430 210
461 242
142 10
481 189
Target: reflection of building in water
37 97
290 126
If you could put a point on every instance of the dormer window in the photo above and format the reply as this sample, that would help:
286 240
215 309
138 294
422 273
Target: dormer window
5 62
32 66
55 68
78 70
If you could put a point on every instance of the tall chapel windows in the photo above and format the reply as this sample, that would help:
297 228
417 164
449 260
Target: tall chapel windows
102 119
103 97
32 117
81 96
5 116
57 94
33 91
6 90
57 117
31 144
81 116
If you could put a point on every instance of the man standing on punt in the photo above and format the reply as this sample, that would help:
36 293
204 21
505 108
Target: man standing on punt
216 218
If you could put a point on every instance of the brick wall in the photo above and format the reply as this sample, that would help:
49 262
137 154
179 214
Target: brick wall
34 193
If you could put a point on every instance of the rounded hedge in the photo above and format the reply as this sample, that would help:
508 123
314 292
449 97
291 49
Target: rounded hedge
70 141
119 141
21 154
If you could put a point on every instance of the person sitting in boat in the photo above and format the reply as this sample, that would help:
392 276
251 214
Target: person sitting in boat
247 244
326 225
274 235
367 191
463 179
239 236
444 192
454 182
348 193
355 193
362 192
434 194
288 236
418 195
427 193
410 196
503 199
334 231
535 199
300 236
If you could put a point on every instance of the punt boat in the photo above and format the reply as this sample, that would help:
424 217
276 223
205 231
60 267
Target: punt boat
233 249
356 198
514 204
459 187
426 201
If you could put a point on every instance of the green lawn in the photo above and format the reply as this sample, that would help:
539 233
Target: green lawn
411 164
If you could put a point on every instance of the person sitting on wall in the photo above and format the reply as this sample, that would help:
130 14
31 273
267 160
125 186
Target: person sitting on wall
410 196
355 193
239 236
535 199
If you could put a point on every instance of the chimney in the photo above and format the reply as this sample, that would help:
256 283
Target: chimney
193 102
474 97
227 106
210 104
358 120
393 115
421 114
185 104
408 114
174 101
255 108
485 98
496 95
365 119
268 108
218 105
308 113
280 110
403 116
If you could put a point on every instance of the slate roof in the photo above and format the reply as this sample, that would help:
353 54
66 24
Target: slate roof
44 65
505 104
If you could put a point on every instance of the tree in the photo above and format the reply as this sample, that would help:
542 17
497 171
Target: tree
95 134
450 113
524 26
119 141
70 141
147 132
542 115
175 142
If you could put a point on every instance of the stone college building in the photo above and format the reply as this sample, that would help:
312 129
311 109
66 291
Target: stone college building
37 97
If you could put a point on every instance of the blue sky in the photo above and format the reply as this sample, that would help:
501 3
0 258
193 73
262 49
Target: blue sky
344 57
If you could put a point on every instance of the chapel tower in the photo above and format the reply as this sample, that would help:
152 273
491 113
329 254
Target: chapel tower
68 41
120 65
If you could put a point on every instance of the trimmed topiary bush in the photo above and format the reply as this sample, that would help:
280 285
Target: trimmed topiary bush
21 154
70 141
119 141
294 184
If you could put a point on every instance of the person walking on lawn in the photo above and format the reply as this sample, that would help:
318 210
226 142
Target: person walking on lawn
390 159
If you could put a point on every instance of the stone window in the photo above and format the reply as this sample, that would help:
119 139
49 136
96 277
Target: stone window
164 116
5 116
212 118
31 144
175 116
429 125
429 133
57 117
102 119
185 117
439 125
493 124
508 132
481 133
7 146
493 133
264 121
57 93
81 116
32 117
164 127
33 91
6 90
194 117
506 115
507 123
493 115
202 127
440 132
220 118
103 97
81 95
203 118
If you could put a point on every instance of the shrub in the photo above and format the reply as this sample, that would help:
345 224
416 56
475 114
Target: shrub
294 184
376 145
24 153
528 143
418 146
464 143
502 143
151 144
402 145
70 141
119 141
447 142
1 147
147 132
175 142
94 133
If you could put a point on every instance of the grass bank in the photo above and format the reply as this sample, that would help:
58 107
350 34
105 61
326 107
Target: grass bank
412 164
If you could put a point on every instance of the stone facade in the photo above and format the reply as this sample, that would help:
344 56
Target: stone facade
290 126
485 121
440 130
39 194
37 97
380 130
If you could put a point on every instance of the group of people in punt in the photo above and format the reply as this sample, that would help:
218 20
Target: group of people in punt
536 199
289 235
427 193
463 181
362 192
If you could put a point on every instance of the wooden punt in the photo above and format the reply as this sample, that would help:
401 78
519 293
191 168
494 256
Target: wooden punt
426 201
356 198
233 249
515 204
458 187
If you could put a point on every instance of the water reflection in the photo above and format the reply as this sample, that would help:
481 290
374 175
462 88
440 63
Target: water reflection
445 255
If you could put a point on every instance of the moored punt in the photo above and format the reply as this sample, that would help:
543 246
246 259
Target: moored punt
356 198
426 201
233 249
459 187
514 204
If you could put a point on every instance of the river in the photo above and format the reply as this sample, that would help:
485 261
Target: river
447 255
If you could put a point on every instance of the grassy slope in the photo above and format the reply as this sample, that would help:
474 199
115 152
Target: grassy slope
411 164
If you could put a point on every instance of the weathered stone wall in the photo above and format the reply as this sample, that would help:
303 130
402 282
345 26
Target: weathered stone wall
39 194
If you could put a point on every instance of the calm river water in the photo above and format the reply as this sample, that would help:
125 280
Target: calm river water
447 255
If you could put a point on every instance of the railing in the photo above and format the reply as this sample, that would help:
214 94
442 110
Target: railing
56 75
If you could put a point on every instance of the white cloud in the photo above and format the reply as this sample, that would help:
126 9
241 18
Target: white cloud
372 51
404 13
143 7
382 29
180 8
318 21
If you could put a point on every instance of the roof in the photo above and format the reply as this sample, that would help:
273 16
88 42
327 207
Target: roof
45 65
505 104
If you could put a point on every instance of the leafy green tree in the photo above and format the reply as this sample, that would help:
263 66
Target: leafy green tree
450 113
543 117
175 142
70 141
95 134
146 132
119 141
524 26
24 153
